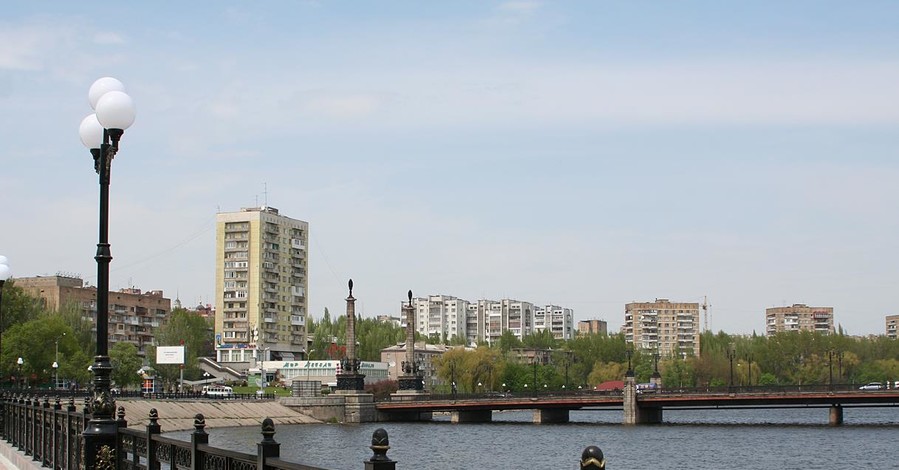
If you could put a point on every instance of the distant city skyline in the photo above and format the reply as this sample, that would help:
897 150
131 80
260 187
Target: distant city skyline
583 154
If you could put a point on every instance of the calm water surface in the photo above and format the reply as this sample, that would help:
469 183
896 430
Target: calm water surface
704 439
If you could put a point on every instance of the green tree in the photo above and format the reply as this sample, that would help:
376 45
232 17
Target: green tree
125 363
18 306
181 327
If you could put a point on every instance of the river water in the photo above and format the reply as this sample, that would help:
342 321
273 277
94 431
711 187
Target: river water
695 439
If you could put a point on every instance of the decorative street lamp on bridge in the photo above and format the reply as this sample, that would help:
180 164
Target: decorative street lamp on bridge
100 132
731 355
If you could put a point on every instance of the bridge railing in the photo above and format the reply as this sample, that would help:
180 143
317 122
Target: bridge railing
52 434
664 390
82 393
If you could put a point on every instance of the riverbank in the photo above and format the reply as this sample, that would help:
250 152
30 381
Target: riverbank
179 415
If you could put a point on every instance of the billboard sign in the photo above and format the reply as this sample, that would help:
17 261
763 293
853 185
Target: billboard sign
170 355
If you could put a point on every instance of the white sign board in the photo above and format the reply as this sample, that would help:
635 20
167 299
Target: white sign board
170 354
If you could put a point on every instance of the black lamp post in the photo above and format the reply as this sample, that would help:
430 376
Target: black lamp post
731 355
101 132
630 370
4 275
749 360
840 366
535 372
830 355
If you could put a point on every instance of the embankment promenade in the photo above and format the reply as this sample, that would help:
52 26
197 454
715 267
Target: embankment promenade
179 415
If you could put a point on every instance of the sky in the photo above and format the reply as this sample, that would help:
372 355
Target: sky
583 154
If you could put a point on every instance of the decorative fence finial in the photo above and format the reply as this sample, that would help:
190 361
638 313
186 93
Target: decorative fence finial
592 459
380 444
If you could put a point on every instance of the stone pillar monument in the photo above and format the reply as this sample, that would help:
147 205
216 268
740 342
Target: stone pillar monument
411 380
349 379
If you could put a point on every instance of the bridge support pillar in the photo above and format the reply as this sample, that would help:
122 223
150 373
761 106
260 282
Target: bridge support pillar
557 415
630 400
649 415
474 416
836 415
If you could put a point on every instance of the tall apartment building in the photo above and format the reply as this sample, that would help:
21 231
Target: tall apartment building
261 286
592 327
671 328
558 320
133 315
892 322
442 315
799 317
487 319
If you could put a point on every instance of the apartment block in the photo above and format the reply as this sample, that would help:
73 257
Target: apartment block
671 328
799 317
592 327
133 315
441 315
892 322
261 286
558 320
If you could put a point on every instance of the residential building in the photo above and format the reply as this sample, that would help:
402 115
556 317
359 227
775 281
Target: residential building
592 327
425 355
441 315
671 328
799 317
261 284
133 315
491 318
558 320
892 323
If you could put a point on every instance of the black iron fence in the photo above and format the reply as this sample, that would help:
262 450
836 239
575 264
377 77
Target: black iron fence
50 430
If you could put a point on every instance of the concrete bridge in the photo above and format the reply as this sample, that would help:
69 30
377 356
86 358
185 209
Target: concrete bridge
637 408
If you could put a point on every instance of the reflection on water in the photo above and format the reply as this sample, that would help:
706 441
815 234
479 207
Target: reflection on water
701 439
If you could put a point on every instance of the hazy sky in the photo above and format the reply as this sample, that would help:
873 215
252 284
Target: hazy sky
584 154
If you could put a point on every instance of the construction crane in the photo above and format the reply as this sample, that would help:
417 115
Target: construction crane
705 312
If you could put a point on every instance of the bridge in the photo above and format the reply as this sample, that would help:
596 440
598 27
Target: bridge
638 408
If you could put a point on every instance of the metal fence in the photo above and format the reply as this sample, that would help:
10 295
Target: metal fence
52 434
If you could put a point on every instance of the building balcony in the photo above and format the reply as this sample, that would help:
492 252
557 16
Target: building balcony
298 320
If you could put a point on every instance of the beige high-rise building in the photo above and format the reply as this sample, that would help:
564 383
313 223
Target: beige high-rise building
671 328
261 283
892 323
799 317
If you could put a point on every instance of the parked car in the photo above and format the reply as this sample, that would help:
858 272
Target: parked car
872 386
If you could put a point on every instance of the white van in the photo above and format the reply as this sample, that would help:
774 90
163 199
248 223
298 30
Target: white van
217 391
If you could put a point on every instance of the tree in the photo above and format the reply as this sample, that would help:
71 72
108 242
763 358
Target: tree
20 340
18 306
125 363
181 327
508 341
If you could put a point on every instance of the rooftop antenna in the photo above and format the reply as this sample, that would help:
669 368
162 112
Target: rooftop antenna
265 193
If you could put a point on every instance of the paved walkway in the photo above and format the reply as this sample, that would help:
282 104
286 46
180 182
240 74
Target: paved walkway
178 415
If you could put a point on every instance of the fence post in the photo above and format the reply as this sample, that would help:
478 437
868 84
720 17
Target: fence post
153 428
46 430
198 437
121 423
592 459
268 448
380 444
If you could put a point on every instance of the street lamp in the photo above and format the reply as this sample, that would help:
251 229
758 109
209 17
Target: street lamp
55 375
24 380
731 355
630 370
100 132
4 275
749 359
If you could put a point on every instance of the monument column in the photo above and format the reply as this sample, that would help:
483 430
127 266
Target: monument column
411 380
349 379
